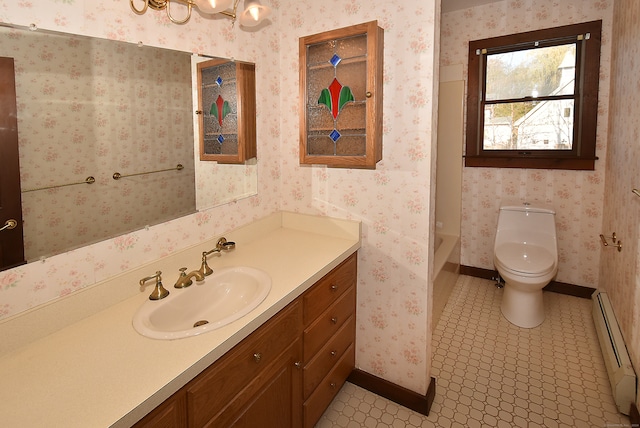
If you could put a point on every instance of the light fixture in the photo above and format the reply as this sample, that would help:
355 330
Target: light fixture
253 14
213 6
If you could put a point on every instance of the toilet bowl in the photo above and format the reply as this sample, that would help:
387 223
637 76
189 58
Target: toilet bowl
526 257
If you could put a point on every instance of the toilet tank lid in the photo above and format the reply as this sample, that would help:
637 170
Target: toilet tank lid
528 207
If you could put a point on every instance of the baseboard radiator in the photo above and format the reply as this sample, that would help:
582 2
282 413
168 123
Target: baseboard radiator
614 351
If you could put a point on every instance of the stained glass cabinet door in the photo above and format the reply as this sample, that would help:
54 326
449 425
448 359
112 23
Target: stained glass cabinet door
341 89
227 111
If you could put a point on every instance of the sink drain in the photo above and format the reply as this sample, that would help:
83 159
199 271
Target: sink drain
199 323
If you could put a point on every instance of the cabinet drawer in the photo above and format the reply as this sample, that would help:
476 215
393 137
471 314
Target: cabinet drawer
327 357
327 324
317 403
218 384
329 288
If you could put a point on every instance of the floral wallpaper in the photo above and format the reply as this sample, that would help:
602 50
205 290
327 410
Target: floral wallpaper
576 195
620 271
73 97
394 202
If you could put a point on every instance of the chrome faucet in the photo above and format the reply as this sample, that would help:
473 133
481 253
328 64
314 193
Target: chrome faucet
185 278
221 245
159 292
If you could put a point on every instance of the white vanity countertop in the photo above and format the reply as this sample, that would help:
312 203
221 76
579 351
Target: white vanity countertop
100 372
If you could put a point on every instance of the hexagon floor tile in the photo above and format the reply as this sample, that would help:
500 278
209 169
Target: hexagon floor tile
490 373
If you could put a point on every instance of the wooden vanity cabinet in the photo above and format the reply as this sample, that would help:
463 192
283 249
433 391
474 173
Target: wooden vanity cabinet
329 337
285 374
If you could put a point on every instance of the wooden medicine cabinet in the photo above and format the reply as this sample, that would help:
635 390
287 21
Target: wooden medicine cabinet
227 111
341 88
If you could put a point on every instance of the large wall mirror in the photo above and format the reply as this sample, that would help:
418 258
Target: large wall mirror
90 108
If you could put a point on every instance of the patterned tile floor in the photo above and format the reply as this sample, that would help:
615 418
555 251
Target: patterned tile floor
490 373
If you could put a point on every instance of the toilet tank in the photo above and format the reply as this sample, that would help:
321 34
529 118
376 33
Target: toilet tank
528 224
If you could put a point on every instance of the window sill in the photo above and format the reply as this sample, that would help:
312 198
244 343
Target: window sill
587 164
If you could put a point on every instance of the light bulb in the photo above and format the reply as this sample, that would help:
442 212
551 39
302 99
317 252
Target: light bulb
255 12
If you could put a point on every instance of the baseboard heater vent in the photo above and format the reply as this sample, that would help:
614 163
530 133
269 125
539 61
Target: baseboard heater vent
614 351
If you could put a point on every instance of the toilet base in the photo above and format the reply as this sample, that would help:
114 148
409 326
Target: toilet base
522 308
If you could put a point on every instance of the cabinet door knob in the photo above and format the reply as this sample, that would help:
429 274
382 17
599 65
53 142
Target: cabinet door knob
368 94
298 364
257 357
333 385
333 353
334 287
334 320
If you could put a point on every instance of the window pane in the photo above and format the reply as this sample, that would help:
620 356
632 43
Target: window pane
545 125
531 73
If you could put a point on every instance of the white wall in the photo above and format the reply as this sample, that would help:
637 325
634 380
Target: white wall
450 142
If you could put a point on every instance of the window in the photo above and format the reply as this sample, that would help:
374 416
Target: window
532 99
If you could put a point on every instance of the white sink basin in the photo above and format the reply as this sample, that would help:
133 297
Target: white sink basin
225 296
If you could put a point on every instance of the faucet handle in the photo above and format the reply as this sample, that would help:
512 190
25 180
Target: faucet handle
183 281
205 270
221 245
159 292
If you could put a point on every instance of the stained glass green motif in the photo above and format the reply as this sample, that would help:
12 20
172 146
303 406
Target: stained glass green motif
220 109
335 97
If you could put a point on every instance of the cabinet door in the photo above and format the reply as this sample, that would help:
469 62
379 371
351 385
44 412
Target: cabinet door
227 108
223 392
272 399
341 89
170 414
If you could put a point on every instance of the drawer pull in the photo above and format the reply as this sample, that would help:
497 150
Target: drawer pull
257 357
333 385
334 320
333 353
334 287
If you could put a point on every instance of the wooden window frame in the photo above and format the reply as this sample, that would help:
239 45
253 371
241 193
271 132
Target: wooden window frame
582 156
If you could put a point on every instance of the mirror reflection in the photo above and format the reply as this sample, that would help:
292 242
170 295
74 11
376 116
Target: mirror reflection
92 108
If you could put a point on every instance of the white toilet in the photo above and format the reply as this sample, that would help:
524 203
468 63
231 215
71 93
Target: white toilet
526 257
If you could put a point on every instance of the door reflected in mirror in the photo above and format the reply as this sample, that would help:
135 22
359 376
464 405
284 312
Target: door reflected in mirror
91 107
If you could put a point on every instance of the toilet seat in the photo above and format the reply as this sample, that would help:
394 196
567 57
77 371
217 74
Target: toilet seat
524 259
